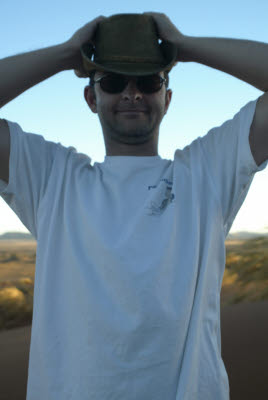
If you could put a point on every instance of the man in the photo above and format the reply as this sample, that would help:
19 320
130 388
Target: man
131 251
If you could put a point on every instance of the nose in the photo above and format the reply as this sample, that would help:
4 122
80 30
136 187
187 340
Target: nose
131 89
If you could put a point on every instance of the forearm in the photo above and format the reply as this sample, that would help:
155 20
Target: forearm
21 72
244 59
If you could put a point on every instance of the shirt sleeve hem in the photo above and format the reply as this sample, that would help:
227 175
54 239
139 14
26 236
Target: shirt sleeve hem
6 188
252 165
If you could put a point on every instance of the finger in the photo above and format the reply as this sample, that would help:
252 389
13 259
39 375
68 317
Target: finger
80 74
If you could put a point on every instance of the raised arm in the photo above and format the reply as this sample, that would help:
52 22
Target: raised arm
21 72
246 60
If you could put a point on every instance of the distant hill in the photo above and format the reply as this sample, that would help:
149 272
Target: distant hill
243 235
16 236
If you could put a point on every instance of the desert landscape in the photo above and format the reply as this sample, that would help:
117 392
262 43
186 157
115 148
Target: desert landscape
244 316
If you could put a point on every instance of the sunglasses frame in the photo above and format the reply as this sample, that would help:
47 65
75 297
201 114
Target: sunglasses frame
162 80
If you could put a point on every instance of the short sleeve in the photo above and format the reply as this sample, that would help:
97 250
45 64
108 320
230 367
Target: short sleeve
30 164
228 157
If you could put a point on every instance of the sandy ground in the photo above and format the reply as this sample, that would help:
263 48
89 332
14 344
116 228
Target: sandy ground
244 352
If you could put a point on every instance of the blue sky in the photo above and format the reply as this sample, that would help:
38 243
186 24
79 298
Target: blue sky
203 97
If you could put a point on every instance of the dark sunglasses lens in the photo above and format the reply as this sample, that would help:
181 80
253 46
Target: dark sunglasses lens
112 84
115 84
150 84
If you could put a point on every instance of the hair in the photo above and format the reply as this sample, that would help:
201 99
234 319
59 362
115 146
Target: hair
92 74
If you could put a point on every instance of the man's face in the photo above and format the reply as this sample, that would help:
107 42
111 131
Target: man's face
128 133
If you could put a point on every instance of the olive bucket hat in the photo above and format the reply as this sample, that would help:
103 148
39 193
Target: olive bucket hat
128 44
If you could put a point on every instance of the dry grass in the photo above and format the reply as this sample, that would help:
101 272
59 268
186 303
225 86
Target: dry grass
245 277
246 273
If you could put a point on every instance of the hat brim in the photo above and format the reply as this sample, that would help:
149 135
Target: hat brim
168 49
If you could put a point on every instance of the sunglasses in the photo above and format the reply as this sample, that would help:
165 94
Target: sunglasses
113 83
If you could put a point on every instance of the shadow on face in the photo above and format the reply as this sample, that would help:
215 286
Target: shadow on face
94 94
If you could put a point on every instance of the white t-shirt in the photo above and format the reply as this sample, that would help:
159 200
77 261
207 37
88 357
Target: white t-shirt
129 264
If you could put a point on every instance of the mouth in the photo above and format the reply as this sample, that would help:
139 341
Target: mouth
132 112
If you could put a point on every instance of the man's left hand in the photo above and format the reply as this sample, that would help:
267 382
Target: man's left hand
165 29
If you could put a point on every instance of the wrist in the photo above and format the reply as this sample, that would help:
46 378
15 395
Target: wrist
183 46
71 57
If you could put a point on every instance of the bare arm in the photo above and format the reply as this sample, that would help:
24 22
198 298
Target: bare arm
21 72
246 60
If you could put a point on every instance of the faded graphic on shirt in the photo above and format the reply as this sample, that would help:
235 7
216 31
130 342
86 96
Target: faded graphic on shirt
166 198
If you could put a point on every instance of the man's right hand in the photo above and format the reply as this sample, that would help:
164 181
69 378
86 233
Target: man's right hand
83 35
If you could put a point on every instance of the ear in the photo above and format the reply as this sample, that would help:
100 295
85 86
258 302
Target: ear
90 97
168 99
